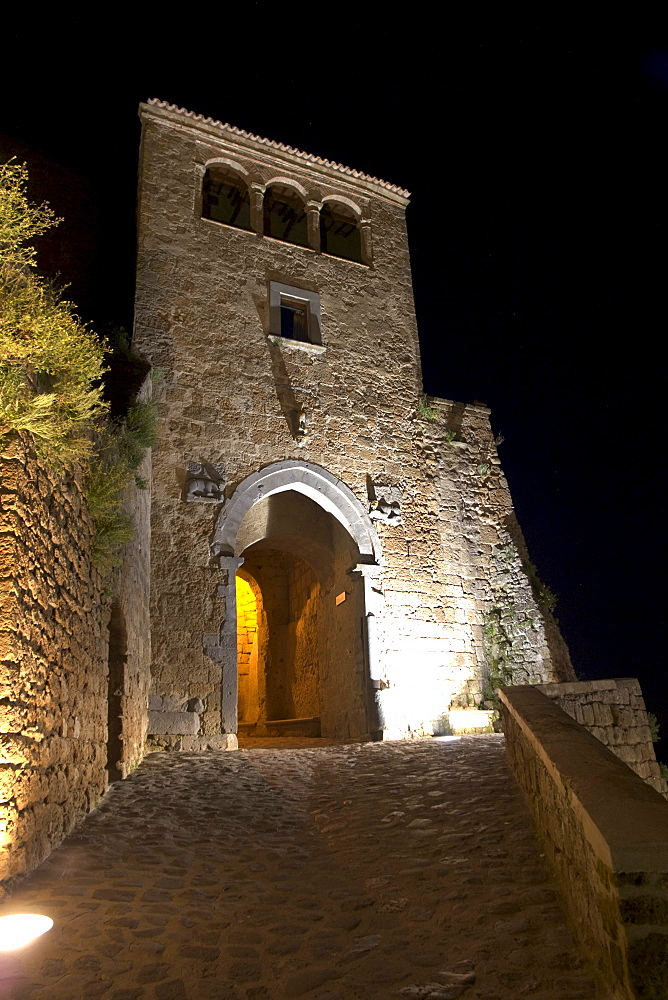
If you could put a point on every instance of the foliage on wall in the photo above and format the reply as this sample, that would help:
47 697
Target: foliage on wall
506 623
120 450
51 375
501 625
51 366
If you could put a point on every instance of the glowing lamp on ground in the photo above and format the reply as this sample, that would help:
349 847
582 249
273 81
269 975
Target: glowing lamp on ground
19 929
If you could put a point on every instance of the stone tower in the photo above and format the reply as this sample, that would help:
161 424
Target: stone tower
331 552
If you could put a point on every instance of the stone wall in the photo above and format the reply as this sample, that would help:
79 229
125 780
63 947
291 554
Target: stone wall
605 833
131 587
229 406
614 712
54 660
304 607
55 653
496 606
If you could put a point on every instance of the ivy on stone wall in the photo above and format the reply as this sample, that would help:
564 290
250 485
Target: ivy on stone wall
424 408
505 624
500 625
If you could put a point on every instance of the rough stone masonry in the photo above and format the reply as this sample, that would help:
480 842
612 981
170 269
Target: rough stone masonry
368 529
296 449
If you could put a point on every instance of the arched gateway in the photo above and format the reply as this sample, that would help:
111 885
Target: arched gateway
299 656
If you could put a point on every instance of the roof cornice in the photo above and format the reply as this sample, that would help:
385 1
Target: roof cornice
155 108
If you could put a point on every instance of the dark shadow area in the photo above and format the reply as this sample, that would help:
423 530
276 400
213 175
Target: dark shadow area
118 654
226 199
339 232
284 216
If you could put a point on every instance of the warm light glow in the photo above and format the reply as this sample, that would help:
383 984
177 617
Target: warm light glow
245 593
19 929
247 651
469 718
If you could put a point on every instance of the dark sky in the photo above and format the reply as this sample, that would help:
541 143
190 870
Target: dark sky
536 155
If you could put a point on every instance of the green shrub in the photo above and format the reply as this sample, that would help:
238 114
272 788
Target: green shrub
51 371
424 409
121 449
653 724
51 365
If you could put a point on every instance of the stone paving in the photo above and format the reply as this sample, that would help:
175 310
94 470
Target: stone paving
300 869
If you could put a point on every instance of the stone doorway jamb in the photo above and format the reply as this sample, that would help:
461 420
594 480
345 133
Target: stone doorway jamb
374 601
225 649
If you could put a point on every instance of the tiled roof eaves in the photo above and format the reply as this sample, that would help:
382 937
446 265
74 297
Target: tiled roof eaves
280 146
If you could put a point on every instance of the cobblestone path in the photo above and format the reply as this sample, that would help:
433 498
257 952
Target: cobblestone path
355 872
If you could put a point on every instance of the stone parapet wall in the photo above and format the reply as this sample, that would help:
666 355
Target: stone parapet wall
605 833
614 712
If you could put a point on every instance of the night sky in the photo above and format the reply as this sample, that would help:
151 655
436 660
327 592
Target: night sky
536 158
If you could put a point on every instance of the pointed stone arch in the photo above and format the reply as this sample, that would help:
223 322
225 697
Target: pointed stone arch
318 484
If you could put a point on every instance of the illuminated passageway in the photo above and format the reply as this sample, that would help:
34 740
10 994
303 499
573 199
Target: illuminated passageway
302 665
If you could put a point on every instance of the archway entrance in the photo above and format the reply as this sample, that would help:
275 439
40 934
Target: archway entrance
300 639
279 603
301 558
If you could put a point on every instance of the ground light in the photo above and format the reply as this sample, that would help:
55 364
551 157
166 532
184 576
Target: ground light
19 929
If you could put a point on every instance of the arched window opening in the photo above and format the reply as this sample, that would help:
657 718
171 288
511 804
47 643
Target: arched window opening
339 232
285 216
225 199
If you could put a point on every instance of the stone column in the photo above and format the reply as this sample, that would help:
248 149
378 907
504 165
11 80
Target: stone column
226 649
373 603
257 208
313 224
365 241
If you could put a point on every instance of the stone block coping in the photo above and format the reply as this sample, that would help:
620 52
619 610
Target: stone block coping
624 819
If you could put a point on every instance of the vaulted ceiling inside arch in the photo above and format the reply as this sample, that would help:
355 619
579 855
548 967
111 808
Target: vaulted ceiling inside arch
291 522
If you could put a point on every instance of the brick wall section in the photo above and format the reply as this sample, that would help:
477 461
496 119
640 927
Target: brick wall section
605 833
246 628
54 653
614 712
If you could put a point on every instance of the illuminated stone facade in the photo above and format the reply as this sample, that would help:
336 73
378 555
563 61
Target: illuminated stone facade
74 662
373 526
